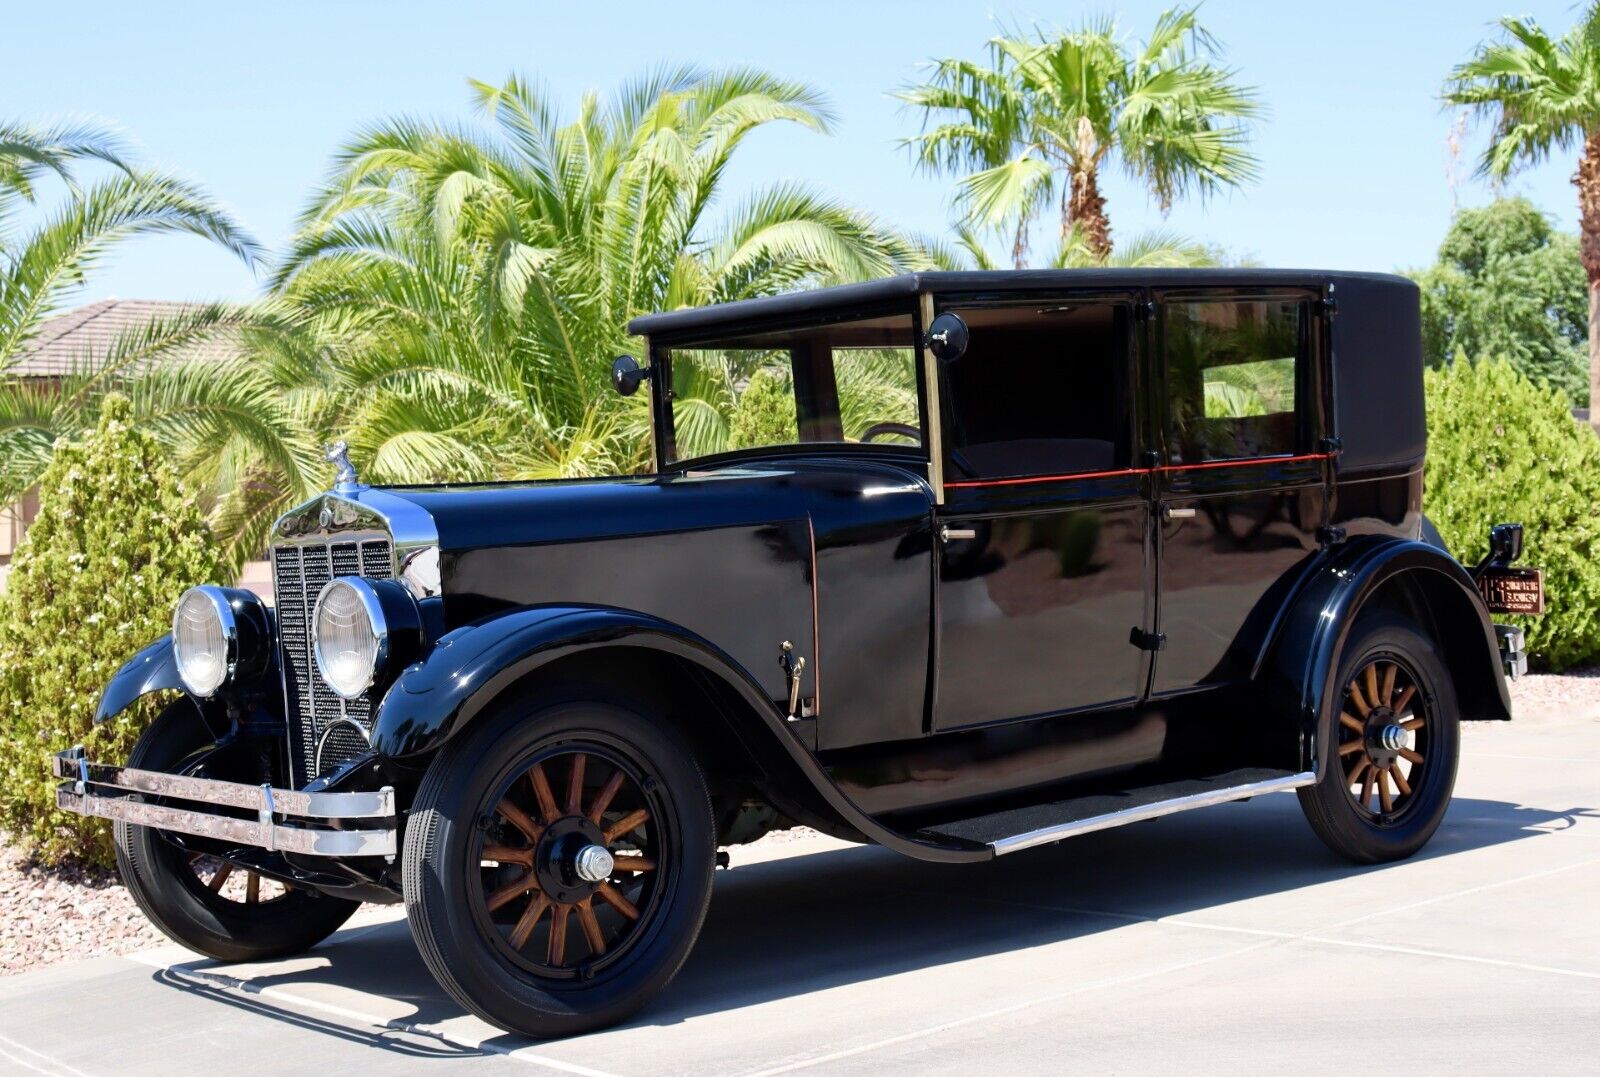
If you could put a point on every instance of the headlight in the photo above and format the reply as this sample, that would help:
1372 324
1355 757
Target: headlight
218 632
349 635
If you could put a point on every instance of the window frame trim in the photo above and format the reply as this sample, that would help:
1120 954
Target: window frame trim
1132 297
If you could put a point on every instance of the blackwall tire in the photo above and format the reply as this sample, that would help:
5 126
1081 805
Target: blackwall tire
1355 817
164 885
608 966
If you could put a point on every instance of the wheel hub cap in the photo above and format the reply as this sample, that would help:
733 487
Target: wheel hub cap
1391 737
594 863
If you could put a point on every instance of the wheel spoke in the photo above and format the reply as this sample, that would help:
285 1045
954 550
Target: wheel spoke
1352 723
220 877
635 863
575 785
1386 693
603 799
1358 699
1399 780
1366 787
541 790
1371 674
1405 698
1354 774
519 819
1351 746
557 954
503 854
530 917
1383 791
1413 723
591 927
511 891
252 888
1407 753
630 822
613 897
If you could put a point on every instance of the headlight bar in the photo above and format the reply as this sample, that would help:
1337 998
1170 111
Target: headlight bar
101 790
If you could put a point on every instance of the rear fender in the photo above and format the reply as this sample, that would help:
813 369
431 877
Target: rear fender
1300 673
471 667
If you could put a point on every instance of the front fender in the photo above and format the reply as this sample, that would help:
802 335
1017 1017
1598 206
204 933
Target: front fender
153 669
1300 671
469 667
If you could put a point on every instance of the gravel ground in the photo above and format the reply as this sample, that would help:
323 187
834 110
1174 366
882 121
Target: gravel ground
50 916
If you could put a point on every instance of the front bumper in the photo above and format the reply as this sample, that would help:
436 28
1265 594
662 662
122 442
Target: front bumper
104 791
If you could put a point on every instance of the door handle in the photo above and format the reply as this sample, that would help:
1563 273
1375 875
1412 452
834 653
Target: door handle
957 534
1170 513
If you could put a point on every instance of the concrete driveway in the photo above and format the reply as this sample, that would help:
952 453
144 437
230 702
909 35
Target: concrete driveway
1218 941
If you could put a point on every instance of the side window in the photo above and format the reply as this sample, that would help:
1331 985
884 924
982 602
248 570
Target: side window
1233 372
1041 390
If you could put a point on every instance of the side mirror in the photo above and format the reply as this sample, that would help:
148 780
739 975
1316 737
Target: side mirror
626 374
947 337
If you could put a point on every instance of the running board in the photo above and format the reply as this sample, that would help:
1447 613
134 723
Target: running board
1040 824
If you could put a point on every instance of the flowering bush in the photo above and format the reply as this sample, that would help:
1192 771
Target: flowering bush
1503 450
116 541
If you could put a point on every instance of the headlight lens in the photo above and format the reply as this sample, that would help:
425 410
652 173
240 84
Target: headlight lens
349 636
204 640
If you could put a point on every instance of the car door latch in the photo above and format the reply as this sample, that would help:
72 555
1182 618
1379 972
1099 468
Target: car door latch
1148 641
793 666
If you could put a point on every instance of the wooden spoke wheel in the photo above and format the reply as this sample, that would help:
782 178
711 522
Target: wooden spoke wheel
569 855
1383 737
231 882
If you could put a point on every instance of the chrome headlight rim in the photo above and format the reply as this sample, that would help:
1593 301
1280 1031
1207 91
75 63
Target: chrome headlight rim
373 608
220 605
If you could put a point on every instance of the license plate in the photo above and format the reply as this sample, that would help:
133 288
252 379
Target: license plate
1512 590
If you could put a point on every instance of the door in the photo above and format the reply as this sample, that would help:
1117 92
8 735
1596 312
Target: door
1044 534
1240 486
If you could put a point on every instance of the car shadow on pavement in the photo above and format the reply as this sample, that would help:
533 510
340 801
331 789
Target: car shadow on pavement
786 927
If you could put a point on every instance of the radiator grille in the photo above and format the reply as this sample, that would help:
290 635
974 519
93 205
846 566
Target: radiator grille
298 574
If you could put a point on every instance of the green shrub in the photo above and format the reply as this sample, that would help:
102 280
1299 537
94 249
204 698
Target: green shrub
1500 449
95 579
765 414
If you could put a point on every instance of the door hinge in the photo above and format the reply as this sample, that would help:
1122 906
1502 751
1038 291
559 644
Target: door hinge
1331 446
1330 535
1328 307
1148 641
1144 311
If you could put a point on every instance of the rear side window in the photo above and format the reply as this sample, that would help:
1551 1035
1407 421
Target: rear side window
1234 370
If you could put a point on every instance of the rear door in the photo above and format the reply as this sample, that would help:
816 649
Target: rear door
1240 482
1045 563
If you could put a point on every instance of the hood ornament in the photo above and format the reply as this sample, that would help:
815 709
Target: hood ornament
338 454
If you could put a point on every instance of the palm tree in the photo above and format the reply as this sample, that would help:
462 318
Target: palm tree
1156 249
460 293
1049 110
223 422
1541 94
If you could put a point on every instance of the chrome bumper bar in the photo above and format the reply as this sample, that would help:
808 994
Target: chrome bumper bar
101 791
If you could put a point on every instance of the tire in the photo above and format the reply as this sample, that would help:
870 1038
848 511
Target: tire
1376 816
165 884
464 816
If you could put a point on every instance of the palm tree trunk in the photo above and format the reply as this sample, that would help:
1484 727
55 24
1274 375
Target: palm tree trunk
1588 184
1087 208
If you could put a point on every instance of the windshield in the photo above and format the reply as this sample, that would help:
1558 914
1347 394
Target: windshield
851 383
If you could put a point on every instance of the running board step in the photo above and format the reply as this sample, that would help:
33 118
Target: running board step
1040 824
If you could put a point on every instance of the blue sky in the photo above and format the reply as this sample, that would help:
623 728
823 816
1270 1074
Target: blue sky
252 100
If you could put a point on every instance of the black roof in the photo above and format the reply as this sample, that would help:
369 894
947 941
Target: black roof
801 304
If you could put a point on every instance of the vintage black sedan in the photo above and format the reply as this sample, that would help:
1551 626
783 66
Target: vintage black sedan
999 559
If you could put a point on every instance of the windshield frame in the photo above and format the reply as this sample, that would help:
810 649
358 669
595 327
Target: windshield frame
660 349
